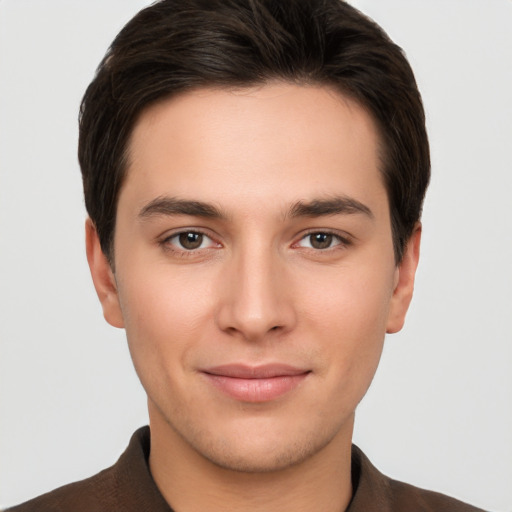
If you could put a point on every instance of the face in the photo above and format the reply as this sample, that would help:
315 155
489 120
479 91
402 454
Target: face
254 270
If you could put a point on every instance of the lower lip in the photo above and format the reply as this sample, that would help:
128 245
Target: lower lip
256 390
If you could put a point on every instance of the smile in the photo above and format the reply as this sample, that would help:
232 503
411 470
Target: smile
256 384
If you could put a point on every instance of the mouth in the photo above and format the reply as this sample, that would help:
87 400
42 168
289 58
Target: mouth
255 384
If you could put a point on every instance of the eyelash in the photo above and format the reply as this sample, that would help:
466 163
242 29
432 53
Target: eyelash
183 252
342 242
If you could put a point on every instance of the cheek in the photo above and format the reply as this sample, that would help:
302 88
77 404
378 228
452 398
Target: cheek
354 301
351 311
165 315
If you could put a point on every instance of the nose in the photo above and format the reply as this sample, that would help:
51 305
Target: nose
256 298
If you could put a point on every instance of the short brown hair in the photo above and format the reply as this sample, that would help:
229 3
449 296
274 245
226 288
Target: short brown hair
177 45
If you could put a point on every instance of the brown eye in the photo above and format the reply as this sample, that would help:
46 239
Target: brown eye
190 240
320 240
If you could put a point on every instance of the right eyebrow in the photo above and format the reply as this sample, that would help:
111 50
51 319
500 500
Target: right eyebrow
165 205
330 206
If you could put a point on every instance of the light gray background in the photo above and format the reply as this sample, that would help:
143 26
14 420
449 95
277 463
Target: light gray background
439 414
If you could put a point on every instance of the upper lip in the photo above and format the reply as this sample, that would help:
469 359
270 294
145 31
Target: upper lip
265 371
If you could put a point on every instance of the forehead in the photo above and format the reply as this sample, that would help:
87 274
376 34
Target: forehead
252 143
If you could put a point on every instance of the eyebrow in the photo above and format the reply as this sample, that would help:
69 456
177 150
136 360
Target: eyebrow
330 206
315 208
174 206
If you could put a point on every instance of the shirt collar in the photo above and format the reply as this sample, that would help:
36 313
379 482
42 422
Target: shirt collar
133 478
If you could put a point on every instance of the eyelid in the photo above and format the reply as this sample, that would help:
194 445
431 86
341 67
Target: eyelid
164 240
344 239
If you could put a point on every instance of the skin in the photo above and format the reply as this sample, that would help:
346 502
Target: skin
259 289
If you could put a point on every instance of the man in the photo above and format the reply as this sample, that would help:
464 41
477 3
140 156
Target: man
254 174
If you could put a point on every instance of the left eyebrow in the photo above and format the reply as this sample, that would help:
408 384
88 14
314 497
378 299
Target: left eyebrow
169 206
330 206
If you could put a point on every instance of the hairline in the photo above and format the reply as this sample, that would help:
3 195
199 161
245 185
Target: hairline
337 88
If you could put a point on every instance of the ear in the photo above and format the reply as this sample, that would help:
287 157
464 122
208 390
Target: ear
103 277
404 282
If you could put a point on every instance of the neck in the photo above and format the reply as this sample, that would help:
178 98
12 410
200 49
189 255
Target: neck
191 483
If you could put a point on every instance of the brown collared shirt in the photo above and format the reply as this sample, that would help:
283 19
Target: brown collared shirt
127 486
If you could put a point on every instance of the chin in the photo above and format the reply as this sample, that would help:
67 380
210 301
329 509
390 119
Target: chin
257 461
260 452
